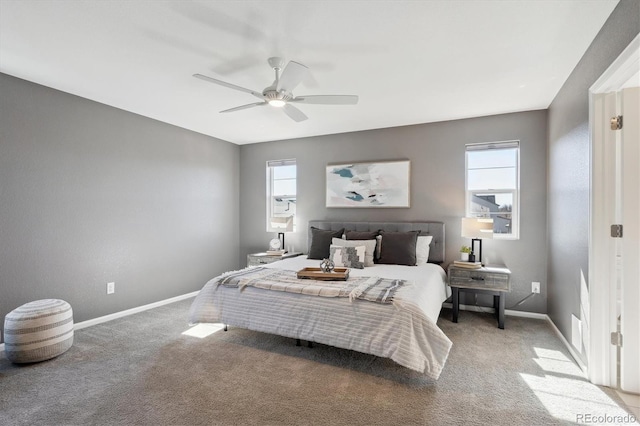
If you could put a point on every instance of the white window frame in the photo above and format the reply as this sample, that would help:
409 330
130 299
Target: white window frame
469 194
271 165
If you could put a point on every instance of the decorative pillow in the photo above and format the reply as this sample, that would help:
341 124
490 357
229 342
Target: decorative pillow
422 249
320 242
365 235
376 255
349 257
398 248
361 235
369 248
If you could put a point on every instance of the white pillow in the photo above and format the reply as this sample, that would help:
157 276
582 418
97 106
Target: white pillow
422 249
369 245
349 257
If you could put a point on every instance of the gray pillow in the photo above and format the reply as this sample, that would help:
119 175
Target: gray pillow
320 242
370 247
348 257
398 248
365 235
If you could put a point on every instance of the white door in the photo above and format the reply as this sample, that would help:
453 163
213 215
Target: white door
629 269
613 296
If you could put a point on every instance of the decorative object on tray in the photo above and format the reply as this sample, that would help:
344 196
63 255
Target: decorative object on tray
338 274
467 264
464 253
380 184
327 265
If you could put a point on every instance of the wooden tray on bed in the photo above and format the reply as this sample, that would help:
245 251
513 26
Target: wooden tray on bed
338 274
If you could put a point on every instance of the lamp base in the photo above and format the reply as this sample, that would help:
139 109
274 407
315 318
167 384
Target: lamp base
473 243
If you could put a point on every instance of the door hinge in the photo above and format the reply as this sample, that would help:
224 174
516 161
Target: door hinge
616 231
616 122
616 338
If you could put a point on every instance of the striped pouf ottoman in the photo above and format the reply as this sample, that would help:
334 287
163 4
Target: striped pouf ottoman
38 330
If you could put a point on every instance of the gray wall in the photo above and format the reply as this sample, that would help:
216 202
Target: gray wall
91 194
437 154
569 166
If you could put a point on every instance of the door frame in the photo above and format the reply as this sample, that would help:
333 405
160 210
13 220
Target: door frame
601 355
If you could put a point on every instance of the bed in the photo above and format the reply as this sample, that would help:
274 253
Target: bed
403 329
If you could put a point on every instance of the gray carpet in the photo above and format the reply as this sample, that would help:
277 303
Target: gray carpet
140 370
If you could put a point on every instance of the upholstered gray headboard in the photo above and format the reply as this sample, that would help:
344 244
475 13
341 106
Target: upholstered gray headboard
436 253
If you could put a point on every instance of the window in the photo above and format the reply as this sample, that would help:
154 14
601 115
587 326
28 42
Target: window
281 195
493 185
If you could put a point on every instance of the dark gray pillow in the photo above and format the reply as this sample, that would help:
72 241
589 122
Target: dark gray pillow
398 248
361 235
321 241
365 235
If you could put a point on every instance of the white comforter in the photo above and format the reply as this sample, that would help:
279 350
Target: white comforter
404 331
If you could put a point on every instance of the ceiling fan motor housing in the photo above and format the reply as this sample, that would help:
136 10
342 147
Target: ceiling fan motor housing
273 95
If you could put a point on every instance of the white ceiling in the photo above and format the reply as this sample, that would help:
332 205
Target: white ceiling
409 61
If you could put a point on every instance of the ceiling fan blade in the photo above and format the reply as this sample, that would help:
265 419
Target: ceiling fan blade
294 113
327 99
244 107
292 75
229 85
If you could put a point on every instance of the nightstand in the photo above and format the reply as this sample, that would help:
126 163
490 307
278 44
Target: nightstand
257 259
492 279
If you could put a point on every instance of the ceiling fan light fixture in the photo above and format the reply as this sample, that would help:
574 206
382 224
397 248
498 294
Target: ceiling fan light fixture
275 98
280 93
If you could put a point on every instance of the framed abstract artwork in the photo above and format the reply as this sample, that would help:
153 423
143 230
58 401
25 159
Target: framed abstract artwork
379 184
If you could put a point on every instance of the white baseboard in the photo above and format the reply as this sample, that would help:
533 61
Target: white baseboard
116 315
570 348
533 315
524 314
508 312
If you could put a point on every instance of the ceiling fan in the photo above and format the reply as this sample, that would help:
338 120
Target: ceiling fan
280 93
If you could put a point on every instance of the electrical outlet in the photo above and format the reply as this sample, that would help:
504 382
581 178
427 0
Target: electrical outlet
535 287
111 288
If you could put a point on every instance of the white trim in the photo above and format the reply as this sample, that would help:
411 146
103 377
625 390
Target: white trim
271 166
515 207
508 312
572 351
532 315
601 356
121 314
620 71
524 314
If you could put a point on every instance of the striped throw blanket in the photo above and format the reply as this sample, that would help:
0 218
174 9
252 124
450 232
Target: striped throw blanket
373 289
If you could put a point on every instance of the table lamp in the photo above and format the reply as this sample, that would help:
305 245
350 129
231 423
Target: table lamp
281 224
477 228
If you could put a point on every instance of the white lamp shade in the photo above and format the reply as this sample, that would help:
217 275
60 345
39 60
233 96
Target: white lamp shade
281 224
477 227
